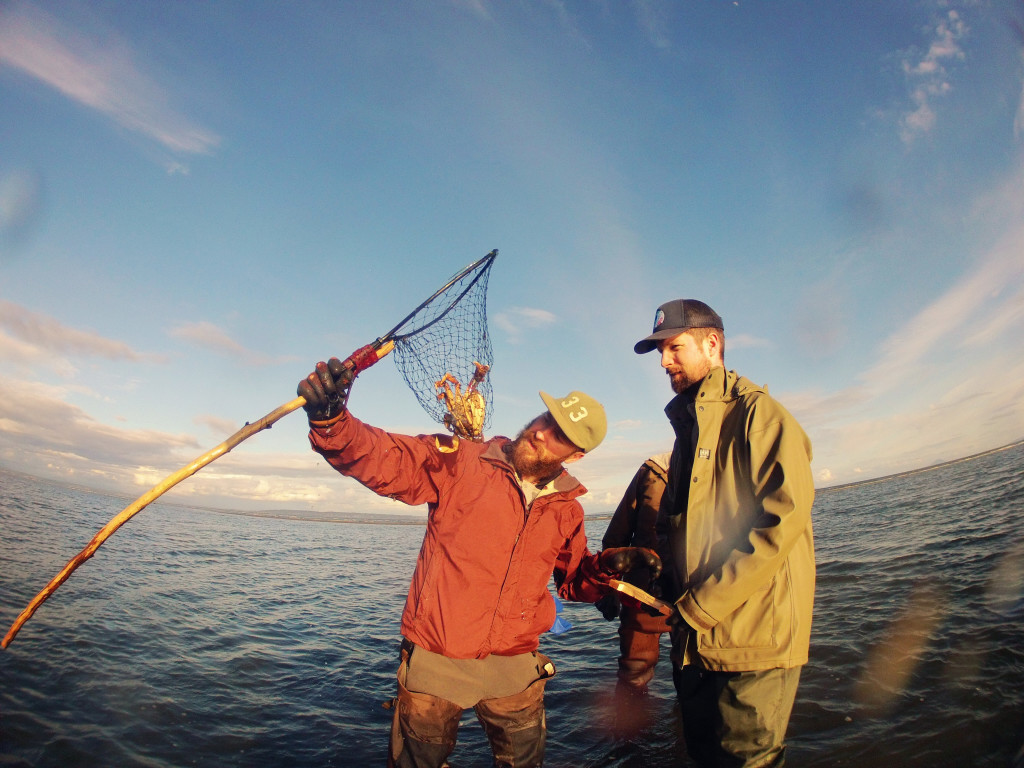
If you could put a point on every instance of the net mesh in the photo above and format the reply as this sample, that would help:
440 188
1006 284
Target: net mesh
443 352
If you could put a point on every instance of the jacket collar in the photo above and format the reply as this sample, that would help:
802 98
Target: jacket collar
494 452
719 386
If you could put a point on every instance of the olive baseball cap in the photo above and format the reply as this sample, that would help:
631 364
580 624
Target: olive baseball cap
580 417
674 317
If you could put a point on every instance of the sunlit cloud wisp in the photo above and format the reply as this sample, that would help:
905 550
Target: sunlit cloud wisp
104 77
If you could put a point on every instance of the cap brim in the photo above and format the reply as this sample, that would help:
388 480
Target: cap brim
549 402
644 346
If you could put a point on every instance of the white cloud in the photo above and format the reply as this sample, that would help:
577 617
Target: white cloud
210 336
41 334
28 409
652 16
217 425
965 309
479 7
516 320
947 383
927 77
1000 318
174 168
214 338
747 341
102 76
77 448
15 351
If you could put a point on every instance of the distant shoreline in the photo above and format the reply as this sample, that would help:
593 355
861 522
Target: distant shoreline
419 518
919 470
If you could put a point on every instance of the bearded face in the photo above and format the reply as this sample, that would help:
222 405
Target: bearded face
684 377
540 449
685 359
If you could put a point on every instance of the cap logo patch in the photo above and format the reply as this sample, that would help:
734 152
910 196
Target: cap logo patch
659 318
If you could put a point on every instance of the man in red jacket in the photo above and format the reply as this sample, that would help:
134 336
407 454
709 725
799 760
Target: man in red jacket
502 517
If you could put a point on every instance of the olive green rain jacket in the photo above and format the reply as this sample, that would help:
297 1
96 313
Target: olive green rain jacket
738 528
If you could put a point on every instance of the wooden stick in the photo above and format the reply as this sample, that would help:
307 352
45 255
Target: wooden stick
141 503
644 597
380 348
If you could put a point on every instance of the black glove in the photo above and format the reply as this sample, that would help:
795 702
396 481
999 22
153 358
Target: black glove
625 559
654 589
326 390
609 606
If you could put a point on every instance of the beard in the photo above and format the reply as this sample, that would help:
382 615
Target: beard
683 379
534 461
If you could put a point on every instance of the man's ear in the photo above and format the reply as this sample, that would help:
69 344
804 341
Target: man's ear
575 457
713 345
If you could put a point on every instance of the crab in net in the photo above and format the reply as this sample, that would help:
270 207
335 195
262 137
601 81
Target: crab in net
466 410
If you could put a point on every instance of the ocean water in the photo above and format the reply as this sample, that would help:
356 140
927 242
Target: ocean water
196 638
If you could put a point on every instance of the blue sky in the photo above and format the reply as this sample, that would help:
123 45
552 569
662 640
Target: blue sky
199 200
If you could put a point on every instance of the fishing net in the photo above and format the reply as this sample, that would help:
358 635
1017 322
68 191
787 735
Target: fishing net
443 351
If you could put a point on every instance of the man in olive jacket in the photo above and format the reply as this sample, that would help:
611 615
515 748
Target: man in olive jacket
736 524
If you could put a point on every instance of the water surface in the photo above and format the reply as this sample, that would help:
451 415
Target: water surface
195 638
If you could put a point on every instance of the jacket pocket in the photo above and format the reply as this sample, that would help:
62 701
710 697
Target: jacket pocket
426 587
752 625
534 618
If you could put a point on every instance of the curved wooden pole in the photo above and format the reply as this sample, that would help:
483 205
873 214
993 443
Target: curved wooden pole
367 356
644 597
141 503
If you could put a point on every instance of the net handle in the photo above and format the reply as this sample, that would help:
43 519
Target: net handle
359 360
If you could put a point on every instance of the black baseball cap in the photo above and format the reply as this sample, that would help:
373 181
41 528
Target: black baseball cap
674 317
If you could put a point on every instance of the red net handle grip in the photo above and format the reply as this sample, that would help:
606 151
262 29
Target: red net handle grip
366 356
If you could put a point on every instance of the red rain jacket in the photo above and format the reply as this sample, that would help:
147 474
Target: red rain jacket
480 584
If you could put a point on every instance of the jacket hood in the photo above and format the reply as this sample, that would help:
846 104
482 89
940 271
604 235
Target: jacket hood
724 385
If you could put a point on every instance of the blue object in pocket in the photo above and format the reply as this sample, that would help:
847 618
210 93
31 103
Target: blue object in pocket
560 625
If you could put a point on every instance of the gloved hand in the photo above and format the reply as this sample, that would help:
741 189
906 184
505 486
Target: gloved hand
625 559
609 606
326 390
654 589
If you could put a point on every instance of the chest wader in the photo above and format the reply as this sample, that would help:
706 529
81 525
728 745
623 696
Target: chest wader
639 646
424 727
639 649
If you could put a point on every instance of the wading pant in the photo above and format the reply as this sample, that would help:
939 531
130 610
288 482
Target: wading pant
639 645
734 719
424 727
639 648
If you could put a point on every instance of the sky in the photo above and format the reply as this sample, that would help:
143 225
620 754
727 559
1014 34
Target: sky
200 200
